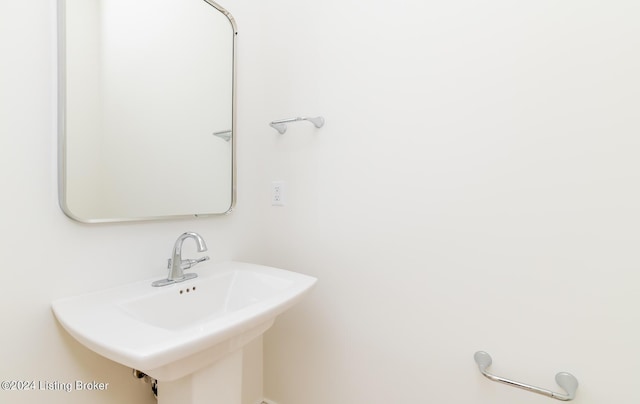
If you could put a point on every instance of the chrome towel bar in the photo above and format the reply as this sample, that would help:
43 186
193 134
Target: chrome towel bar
281 126
565 380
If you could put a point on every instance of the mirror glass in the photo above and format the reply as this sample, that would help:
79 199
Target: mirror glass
146 109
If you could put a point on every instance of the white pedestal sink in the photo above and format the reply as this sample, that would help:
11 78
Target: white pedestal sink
188 336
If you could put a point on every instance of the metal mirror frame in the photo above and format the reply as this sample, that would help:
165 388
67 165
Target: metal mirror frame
61 125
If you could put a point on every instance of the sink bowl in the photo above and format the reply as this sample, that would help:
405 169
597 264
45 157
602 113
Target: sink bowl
175 330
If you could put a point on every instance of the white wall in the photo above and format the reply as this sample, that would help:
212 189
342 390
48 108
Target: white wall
84 77
475 187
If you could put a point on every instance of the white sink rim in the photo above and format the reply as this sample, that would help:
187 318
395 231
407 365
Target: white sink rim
98 321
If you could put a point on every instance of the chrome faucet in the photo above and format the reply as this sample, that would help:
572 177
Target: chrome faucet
177 265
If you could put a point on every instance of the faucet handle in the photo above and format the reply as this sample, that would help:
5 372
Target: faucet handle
186 264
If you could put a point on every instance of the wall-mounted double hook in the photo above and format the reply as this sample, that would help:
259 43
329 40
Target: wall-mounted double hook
565 380
281 125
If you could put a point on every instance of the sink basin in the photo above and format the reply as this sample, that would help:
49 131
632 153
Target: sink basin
173 331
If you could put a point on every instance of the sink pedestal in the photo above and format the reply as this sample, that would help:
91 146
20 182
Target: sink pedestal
220 382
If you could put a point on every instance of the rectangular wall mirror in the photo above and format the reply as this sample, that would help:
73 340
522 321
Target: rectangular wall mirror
146 109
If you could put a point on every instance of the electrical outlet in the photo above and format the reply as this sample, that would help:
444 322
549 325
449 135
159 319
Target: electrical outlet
277 193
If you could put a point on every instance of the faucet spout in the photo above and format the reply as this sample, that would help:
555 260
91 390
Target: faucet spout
177 247
177 265
177 271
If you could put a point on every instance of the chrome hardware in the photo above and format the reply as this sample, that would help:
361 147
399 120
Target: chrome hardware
281 126
224 135
186 264
176 265
565 380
